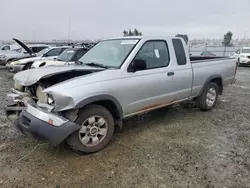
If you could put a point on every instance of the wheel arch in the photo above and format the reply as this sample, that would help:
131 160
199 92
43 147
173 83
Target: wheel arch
216 79
107 101
27 64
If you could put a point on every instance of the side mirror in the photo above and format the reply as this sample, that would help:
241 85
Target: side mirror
44 55
139 64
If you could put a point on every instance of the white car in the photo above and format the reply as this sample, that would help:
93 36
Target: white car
68 56
26 63
15 52
243 58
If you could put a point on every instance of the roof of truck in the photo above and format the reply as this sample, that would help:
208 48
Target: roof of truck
144 37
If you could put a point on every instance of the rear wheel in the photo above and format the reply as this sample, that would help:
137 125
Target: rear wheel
208 99
97 128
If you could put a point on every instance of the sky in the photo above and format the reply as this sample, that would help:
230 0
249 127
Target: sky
98 19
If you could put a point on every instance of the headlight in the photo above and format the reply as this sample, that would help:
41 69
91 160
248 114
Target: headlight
243 56
15 63
2 56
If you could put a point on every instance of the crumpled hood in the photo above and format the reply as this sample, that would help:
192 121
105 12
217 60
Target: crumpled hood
31 76
76 83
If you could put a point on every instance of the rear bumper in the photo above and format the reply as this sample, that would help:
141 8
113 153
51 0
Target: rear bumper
15 68
35 121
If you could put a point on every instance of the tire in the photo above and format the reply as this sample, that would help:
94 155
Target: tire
27 66
238 62
84 140
203 102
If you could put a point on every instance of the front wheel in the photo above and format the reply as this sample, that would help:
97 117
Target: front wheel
208 99
97 128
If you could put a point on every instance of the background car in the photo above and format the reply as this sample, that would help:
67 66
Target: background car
20 51
243 57
207 54
68 56
26 63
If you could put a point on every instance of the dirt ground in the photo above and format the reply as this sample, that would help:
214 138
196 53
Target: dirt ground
172 147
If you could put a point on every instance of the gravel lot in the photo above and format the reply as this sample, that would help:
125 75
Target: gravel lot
172 147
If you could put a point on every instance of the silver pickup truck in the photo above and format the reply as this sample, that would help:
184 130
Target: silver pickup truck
117 78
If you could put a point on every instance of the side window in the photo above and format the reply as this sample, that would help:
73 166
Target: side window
155 54
79 54
62 49
6 48
54 52
179 52
37 48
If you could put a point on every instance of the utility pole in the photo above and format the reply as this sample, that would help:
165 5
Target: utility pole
245 35
69 29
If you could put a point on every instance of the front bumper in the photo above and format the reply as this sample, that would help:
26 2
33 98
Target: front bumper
45 125
15 68
3 61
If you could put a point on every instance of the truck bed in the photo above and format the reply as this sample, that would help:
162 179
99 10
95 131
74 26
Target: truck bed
204 67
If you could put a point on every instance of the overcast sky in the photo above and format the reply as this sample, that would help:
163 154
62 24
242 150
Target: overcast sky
93 19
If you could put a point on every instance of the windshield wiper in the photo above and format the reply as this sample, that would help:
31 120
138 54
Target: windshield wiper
96 65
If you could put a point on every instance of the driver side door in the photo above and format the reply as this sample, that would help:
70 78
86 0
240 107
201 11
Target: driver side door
153 87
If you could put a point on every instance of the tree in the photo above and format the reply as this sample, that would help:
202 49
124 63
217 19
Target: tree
227 39
125 33
136 33
130 33
185 37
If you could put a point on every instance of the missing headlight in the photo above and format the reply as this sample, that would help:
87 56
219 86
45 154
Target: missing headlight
42 97
50 99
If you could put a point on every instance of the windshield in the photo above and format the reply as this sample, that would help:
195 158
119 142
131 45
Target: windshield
45 50
245 51
66 55
110 53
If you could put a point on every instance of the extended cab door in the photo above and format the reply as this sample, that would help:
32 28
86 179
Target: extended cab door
183 72
152 87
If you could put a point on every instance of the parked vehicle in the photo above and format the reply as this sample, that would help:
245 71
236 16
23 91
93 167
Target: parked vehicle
4 47
207 54
243 58
23 51
235 54
117 78
68 56
49 53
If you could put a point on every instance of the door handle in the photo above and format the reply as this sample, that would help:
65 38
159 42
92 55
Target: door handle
170 73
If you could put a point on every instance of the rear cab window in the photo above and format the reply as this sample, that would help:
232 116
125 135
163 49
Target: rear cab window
179 52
